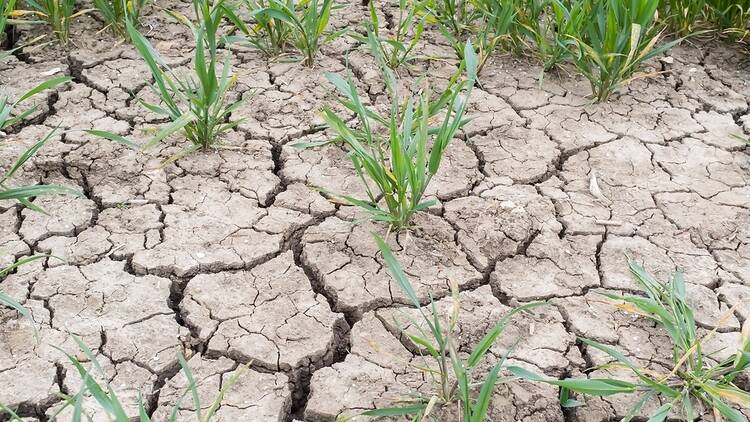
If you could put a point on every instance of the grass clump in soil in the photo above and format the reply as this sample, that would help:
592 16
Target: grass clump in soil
397 49
695 378
197 104
453 376
7 7
724 17
279 24
397 155
616 38
56 14
116 13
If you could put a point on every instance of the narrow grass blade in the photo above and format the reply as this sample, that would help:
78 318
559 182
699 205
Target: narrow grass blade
396 271
590 386
112 137
396 411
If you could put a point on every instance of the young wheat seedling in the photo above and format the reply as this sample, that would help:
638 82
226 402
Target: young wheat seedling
694 377
117 12
57 14
397 168
269 34
306 26
396 49
615 40
196 105
455 377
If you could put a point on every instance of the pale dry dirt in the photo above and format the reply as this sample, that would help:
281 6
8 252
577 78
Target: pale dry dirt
234 257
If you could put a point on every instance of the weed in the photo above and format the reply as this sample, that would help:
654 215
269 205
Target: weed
307 24
686 17
682 16
117 12
498 28
415 148
57 14
397 49
196 105
24 194
454 377
616 39
694 378
493 25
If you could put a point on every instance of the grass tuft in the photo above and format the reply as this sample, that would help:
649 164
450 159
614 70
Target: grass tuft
278 23
617 37
196 105
454 379
397 155
695 376
57 14
117 12
397 49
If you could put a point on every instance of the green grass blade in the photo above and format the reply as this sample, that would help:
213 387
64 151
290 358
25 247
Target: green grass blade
192 386
395 411
479 412
591 386
489 339
661 413
112 137
396 271
43 87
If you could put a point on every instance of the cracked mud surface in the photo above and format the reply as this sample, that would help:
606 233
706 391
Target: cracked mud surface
236 256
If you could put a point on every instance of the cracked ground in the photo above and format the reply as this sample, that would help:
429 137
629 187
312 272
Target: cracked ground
234 257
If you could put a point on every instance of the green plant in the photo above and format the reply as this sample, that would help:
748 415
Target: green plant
682 16
196 105
694 378
415 148
452 16
397 49
271 35
117 12
7 7
498 27
108 401
57 14
307 23
616 39
8 301
454 377
492 24
730 17
7 108
551 26
24 194
692 17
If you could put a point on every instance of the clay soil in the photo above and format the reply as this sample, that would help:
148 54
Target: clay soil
232 257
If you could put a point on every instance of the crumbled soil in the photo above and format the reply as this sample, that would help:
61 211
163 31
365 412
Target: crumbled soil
237 258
